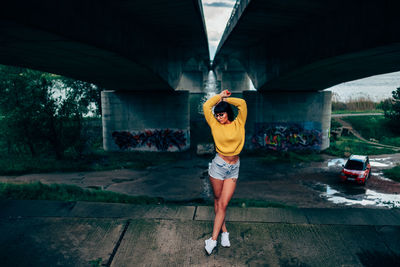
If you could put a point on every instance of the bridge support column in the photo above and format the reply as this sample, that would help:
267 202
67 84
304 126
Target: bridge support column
145 121
288 120
192 81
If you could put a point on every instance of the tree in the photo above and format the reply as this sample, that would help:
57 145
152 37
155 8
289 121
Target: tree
87 95
42 111
392 109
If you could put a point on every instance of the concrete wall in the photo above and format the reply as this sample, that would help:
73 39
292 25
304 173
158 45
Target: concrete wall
192 81
156 121
288 120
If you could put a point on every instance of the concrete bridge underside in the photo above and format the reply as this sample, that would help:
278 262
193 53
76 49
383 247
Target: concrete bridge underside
140 52
119 45
291 50
311 45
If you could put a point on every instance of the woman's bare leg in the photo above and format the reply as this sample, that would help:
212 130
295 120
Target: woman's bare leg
217 186
228 188
223 228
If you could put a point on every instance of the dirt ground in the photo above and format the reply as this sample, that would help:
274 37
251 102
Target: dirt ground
313 184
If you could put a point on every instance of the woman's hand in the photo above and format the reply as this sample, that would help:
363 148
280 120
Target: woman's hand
225 94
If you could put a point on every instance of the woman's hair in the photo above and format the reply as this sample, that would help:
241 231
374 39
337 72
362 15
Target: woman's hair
224 107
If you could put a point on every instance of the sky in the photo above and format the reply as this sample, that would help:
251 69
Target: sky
376 88
216 15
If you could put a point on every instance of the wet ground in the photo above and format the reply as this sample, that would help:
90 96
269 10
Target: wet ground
378 192
313 184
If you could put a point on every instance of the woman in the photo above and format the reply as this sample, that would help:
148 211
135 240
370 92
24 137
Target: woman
228 134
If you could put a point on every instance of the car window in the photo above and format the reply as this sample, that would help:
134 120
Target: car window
354 165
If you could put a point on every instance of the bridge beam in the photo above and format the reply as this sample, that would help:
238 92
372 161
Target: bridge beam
288 120
145 121
232 75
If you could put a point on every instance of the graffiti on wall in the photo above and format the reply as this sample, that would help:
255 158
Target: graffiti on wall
287 136
152 140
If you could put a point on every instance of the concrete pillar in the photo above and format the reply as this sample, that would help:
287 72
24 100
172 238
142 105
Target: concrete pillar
145 121
232 75
192 81
288 120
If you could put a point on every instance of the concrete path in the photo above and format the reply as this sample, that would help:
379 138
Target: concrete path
356 114
51 233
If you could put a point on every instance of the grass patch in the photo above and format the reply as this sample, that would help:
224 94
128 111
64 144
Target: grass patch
96 161
393 173
335 124
376 127
345 146
62 192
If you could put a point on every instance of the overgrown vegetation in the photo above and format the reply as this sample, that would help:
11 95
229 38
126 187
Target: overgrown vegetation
345 146
61 192
393 173
378 128
361 104
392 109
95 161
43 113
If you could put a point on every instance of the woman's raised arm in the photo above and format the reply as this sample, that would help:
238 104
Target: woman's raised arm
242 107
207 109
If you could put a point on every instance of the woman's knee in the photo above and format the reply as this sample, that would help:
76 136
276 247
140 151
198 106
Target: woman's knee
222 205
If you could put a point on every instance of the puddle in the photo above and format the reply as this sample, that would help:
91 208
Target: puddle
336 162
358 196
380 176
378 162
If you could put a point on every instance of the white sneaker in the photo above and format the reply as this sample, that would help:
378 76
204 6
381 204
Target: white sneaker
210 245
225 240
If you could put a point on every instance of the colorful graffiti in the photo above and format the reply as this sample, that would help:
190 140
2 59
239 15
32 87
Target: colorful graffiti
152 140
287 136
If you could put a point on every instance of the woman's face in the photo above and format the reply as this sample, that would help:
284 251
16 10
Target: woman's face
222 117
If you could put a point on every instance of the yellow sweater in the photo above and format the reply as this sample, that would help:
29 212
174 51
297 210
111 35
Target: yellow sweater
228 138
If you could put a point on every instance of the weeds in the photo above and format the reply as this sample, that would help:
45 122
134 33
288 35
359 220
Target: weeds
345 146
62 192
376 127
393 173
361 104
95 161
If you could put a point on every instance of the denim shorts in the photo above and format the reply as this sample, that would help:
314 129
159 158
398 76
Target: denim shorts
221 170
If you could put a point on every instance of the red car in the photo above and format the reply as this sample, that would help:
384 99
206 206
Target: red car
357 169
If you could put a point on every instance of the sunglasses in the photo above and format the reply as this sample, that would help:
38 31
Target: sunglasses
219 114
